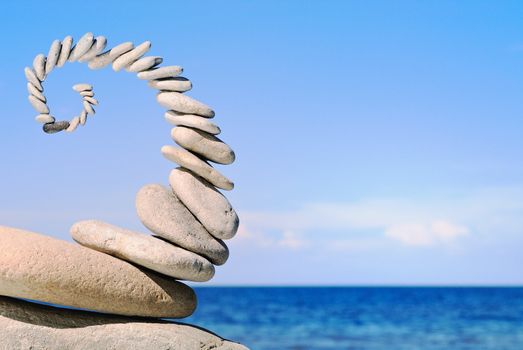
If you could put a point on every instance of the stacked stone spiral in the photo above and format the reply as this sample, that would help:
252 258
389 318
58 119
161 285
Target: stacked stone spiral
126 272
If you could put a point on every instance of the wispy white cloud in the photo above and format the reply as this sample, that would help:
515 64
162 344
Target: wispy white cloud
417 222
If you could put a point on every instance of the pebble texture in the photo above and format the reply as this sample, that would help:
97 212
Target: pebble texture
39 66
25 325
144 63
163 213
130 57
211 207
100 42
109 56
52 56
184 104
42 268
35 92
204 144
198 166
82 47
65 51
31 77
179 84
143 250
38 105
162 72
193 121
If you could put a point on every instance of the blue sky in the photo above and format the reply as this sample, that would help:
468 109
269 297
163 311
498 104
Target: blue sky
377 142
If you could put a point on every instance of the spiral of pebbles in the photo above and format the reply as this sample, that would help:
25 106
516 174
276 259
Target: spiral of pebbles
188 220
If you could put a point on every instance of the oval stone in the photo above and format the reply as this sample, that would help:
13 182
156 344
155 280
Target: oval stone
209 206
183 104
143 250
65 51
193 121
204 144
163 213
33 266
197 165
161 72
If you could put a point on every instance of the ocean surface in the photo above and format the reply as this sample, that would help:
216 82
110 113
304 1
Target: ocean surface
364 318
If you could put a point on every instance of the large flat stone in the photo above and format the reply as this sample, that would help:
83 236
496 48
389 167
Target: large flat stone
163 213
25 325
204 144
183 104
37 267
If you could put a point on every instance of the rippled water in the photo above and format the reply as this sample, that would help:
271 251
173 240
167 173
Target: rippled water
364 318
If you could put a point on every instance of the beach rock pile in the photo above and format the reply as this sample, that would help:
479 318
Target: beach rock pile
115 270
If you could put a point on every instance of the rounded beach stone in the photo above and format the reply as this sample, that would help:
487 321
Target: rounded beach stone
52 56
100 42
163 213
209 206
65 51
91 100
109 56
35 92
52 128
200 167
88 108
82 47
83 117
44 118
87 93
144 63
193 121
26 325
161 72
183 104
130 57
73 124
31 77
143 250
179 84
204 144
82 87
38 105
39 66
36 267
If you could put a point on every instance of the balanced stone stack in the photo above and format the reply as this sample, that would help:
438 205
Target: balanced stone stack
115 270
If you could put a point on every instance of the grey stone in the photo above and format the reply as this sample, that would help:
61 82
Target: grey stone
88 108
197 165
209 206
39 66
163 213
132 56
83 117
144 63
52 128
146 251
44 118
36 267
87 93
73 124
161 72
204 144
82 47
183 104
31 77
52 56
109 56
38 105
100 42
25 325
193 121
91 100
65 51
82 87
35 92
179 84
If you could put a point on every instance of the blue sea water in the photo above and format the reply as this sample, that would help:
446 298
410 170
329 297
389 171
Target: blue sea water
364 318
